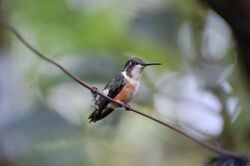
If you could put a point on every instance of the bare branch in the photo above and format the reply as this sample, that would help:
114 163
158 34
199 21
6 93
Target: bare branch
93 90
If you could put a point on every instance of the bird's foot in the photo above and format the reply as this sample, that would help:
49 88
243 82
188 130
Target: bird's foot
94 91
126 106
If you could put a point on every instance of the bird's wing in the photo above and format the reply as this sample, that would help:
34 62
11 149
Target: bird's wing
113 87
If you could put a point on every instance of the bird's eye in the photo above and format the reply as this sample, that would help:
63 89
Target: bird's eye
133 63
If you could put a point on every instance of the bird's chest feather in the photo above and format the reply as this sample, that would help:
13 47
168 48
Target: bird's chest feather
128 91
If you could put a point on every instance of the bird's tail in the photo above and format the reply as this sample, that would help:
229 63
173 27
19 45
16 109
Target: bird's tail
97 114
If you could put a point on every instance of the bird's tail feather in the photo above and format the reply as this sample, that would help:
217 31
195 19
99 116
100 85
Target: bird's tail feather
97 114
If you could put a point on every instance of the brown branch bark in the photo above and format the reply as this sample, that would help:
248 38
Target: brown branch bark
94 91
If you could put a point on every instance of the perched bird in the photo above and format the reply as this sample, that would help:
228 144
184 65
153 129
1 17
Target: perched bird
122 88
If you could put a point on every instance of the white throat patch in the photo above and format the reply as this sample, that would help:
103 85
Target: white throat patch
134 80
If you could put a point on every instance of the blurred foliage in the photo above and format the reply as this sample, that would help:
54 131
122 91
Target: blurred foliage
198 86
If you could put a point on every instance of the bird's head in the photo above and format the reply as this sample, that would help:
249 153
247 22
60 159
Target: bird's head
134 66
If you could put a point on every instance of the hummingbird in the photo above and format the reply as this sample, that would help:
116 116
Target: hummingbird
122 88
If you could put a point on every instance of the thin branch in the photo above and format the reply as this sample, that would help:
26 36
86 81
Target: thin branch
208 146
93 90
16 33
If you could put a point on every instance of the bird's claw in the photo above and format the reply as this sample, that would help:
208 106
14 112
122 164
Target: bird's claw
94 91
127 107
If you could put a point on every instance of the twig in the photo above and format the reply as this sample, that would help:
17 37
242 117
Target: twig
93 90
208 146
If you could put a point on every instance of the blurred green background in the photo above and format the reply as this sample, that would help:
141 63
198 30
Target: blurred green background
44 114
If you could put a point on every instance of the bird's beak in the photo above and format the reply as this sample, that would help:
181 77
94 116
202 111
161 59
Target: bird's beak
150 64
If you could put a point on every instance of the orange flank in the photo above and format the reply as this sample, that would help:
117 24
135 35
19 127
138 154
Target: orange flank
126 93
